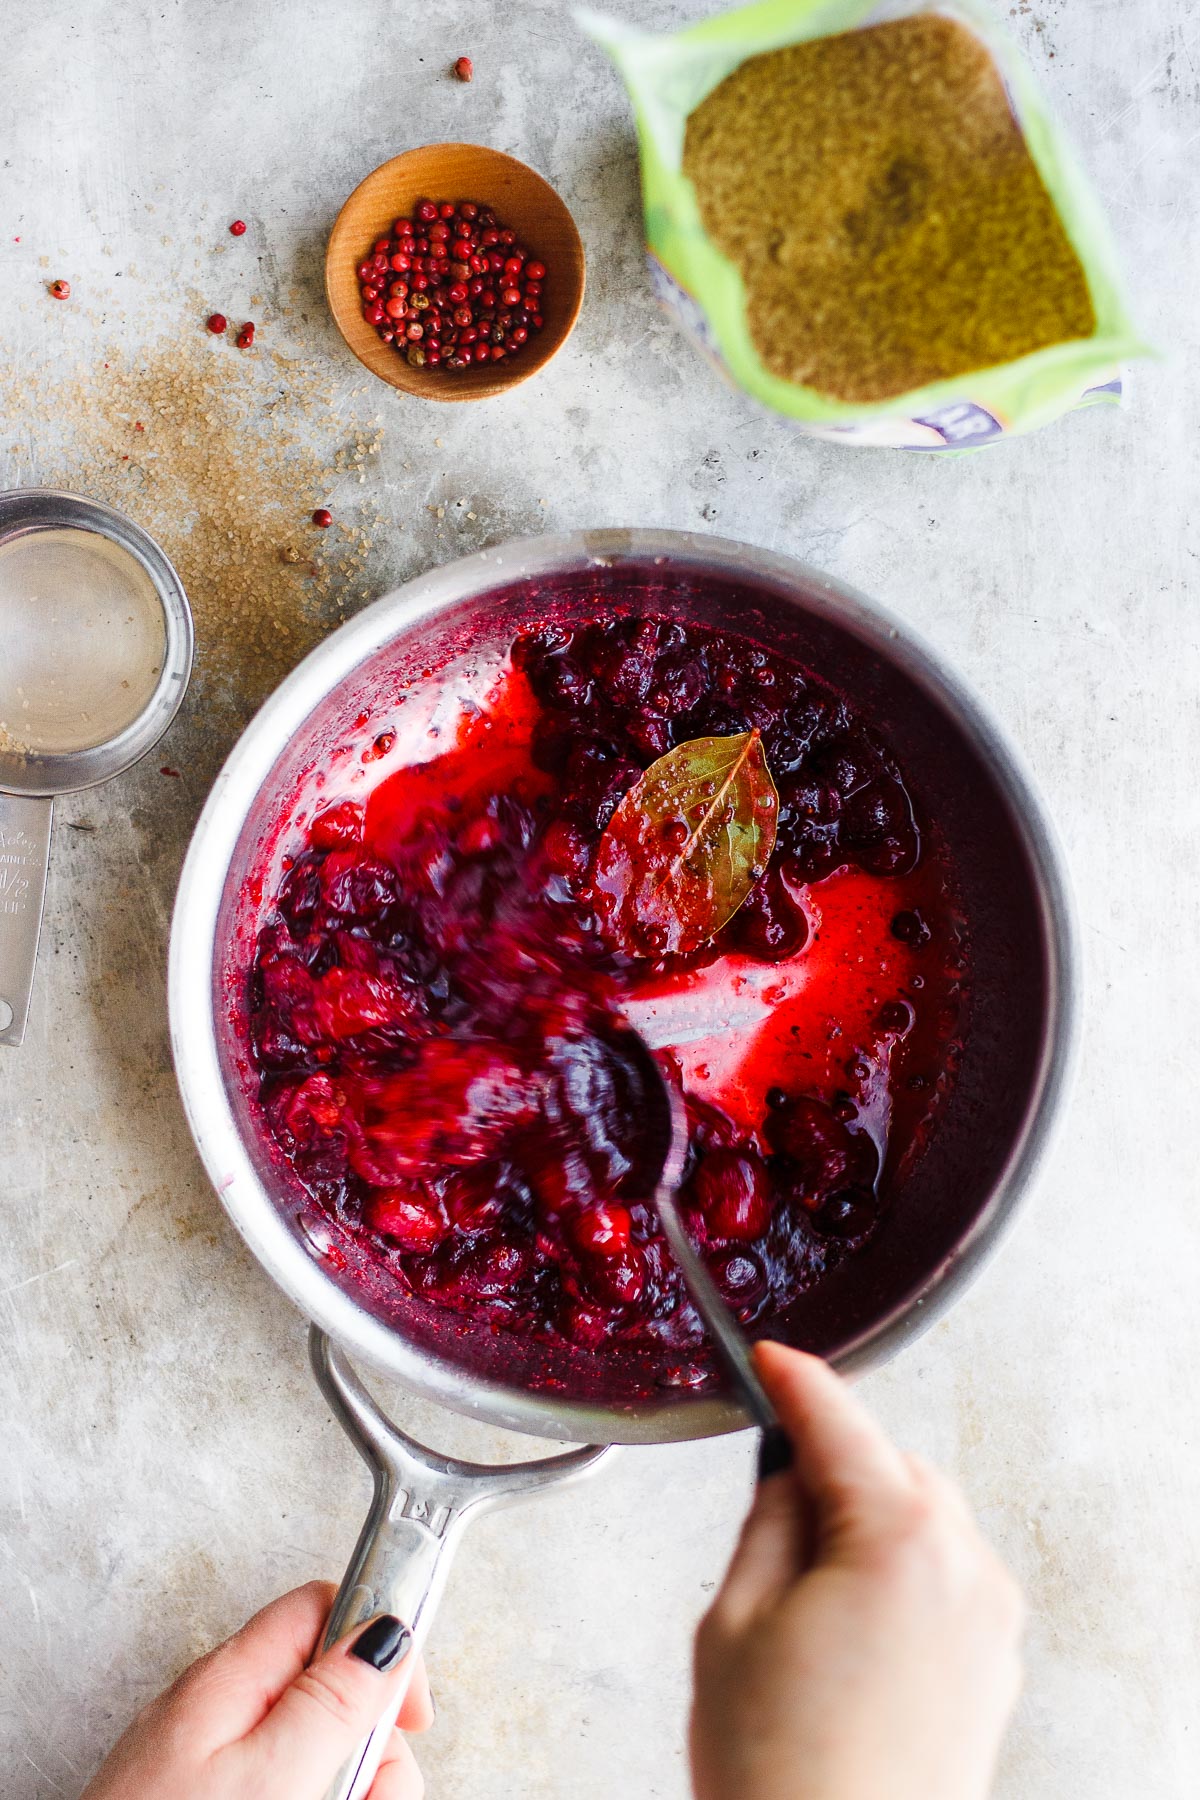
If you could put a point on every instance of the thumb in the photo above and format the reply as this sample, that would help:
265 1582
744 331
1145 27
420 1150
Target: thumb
844 1462
330 1707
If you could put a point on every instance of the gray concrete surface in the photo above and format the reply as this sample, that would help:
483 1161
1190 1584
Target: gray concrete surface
166 1463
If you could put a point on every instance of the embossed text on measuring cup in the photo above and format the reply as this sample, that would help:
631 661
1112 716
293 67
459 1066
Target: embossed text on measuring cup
20 860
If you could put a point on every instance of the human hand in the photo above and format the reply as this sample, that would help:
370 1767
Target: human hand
254 1718
865 1642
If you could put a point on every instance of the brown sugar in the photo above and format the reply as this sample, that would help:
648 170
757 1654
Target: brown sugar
891 227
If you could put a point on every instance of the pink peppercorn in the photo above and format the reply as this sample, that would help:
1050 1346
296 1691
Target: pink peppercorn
466 295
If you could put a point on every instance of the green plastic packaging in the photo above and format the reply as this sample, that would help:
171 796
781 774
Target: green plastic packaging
669 76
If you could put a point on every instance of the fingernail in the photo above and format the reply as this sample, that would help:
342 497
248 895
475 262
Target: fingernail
774 1452
383 1643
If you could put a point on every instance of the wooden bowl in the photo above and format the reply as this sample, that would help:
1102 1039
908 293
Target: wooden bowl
520 199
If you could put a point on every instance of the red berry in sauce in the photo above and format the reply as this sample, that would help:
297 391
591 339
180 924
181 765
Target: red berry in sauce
238 228
619 1279
322 517
911 928
217 323
464 68
245 336
850 1213
405 1215
338 827
733 1191
603 1230
741 1278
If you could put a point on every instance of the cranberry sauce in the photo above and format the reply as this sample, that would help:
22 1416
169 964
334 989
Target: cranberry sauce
433 985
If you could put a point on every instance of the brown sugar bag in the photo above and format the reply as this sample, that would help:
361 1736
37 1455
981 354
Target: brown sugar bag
868 217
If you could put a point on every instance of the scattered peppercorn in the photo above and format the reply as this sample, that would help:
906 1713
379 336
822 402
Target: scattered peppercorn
323 517
451 287
882 206
245 336
464 68
217 323
238 228
61 290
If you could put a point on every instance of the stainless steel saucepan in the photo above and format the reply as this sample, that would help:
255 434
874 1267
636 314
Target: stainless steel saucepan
419 643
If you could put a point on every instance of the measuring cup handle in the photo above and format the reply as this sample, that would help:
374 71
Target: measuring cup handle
24 859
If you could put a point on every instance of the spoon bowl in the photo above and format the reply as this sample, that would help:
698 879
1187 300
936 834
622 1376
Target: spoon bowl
661 1153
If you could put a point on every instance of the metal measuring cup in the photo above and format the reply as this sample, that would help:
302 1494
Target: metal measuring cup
95 654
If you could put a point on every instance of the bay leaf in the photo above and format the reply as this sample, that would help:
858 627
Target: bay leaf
686 845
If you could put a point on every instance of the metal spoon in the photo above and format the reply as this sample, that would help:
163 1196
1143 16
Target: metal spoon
663 1149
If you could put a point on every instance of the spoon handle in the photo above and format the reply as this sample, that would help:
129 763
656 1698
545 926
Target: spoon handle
774 1452
665 1133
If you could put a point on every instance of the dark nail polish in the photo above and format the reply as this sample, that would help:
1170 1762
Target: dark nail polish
383 1643
774 1452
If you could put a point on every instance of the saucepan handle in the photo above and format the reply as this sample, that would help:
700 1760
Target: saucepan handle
399 1566
24 860
422 1503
